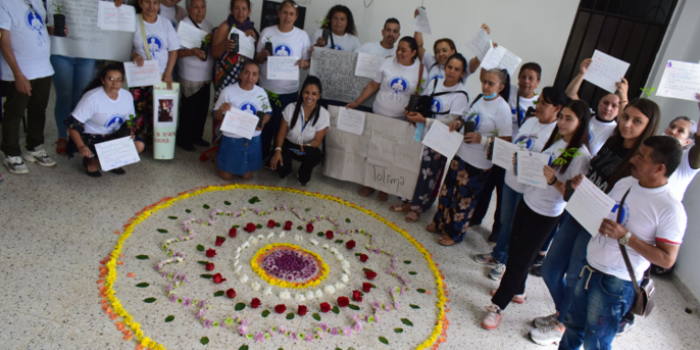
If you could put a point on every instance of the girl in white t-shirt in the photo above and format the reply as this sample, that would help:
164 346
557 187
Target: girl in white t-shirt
170 10
539 211
343 35
238 155
301 133
685 131
99 116
487 118
396 80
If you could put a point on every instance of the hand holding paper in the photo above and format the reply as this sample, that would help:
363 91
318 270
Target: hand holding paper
480 43
190 37
117 153
530 166
421 23
367 65
240 123
503 152
441 140
589 206
681 80
147 75
282 68
605 71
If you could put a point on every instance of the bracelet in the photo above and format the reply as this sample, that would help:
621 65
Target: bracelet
278 148
553 182
485 141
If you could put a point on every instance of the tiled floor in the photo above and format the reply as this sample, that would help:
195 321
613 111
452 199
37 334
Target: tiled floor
57 223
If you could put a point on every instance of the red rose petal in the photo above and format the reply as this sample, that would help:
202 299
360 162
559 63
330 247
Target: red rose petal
232 233
350 244
271 224
366 287
231 293
370 274
364 257
211 253
343 301
280 308
329 234
219 241
287 225
309 228
325 307
255 303
210 267
357 296
302 310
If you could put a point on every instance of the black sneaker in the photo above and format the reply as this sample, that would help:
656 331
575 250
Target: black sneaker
201 142
186 146
118 171
493 239
536 270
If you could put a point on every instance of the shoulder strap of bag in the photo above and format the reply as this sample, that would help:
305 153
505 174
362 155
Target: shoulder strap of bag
143 37
623 249
332 41
477 99
420 77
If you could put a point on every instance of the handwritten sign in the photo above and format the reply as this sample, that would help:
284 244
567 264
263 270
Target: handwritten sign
385 157
605 71
246 44
441 140
367 65
479 43
147 75
500 57
530 166
351 120
117 153
589 206
680 80
240 123
282 68
190 36
503 152
421 23
336 70
110 17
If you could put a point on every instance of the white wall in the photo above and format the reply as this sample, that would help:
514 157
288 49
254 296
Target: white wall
682 43
535 30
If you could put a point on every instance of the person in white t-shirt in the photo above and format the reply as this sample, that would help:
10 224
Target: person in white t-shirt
487 118
343 35
603 124
286 40
649 222
238 155
385 48
396 80
537 214
685 131
301 133
195 68
26 81
99 117
174 13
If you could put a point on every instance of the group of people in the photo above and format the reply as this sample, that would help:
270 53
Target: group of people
613 144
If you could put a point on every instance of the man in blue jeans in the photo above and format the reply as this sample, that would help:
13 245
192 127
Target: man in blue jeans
651 225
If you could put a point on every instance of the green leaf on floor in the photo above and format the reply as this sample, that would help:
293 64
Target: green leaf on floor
336 310
412 273
143 285
277 224
200 247
206 275
202 262
407 262
240 306
339 241
254 200
320 234
169 319
407 322
204 340
162 230
188 211
172 217
347 220
398 330
265 313
236 226
290 316
243 347
149 300
259 226
366 269
142 257
354 307
358 254
219 293
420 290
317 317
227 202
206 206
383 340
299 228
307 209
414 306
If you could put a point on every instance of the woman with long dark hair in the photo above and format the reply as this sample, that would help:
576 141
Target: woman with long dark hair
343 35
301 133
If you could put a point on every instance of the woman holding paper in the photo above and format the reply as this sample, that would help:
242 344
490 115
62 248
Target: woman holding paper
238 155
449 97
538 212
99 116
639 120
284 39
301 133
343 35
195 81
158 42
488 117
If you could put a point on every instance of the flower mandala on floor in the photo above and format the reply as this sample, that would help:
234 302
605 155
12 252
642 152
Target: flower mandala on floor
289 266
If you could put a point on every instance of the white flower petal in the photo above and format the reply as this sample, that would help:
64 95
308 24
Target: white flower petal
339 286
310 295
261 237
281 234
268 291
329 289
238 269
269 236
313 241
345 264
319 294
285 295
244 279
255 285
325 246
299 298
345 278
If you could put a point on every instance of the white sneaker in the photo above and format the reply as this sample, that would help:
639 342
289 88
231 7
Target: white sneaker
548 335
544 321
15 165
497 272
493 317
39 156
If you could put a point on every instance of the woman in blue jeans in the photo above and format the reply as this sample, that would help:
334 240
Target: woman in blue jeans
565 260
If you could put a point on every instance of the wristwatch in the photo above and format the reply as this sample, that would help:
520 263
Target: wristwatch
625 239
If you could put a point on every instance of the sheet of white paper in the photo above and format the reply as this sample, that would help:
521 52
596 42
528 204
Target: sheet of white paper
367 65
441 140
282 68
605 71
117 153
351 120
510 62
110 17
680 80
530 166
503 152
480 43
421 23
246 44
493 57
589 206
240 123
190 36
147 75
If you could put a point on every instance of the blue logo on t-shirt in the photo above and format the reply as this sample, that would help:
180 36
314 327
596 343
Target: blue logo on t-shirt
337 47
625 217
154 43
591 136
398 84
35 22
476 118
283 50
436 106
526 141
114 122
249 107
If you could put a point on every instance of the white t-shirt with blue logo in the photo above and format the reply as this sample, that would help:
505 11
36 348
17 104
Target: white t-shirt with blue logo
396 84
296 43
454 103
682 177
248 101
29 37
436 70
600 132
532 136
376 48
101 114
161 37
191 67
346 42
651 214
549 201
525 104
491 118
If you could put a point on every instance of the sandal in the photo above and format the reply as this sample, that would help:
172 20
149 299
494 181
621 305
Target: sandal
431 228
412 216
401 207
365 191
209 154
382 196
445 242
61 146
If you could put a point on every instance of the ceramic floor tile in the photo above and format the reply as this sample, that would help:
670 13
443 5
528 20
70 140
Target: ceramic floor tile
18 328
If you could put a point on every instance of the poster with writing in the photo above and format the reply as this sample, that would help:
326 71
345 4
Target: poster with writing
111 17
146 75
117 153
385 157
589 206
336 70
479 43
351 120
282 68
681 80
85 39
246 44
165 108
500 57
240 123
367 64
441 140
605 71
530 166
421 24
503 152
190 36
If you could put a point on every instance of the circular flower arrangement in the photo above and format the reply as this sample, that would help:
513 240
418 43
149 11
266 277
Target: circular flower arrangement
289 266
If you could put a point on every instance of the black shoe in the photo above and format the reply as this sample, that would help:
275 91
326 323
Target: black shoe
201 142
118 171
625 325
96 173
186 146
536 270
493 239
538 260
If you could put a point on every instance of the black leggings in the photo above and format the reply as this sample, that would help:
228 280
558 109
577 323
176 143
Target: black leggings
309 160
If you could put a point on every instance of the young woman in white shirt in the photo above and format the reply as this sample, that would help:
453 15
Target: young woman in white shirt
163 45
488 117
449 97
174 13
237 155
301 133
341 24
539 211
98 117
396 80
286 40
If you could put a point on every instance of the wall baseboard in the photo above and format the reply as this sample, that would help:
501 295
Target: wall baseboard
686 293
